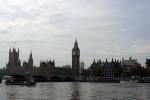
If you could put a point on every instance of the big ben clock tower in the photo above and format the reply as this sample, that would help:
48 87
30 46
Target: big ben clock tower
76 59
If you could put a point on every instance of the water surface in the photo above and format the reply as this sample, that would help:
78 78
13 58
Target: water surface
76 91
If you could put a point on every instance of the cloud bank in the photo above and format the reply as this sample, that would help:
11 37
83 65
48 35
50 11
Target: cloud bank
104 29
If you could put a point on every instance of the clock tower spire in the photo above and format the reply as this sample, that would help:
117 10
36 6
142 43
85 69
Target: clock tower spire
76 59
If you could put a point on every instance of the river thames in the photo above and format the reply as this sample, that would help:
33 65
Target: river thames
76 91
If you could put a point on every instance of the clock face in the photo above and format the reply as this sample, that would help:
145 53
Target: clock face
74 53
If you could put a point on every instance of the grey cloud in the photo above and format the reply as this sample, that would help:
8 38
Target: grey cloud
104 28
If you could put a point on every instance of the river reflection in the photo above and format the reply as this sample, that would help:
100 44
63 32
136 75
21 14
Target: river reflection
76 91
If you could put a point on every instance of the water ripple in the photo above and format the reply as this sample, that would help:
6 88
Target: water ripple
76 91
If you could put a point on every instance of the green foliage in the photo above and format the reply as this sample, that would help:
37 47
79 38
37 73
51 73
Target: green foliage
139 71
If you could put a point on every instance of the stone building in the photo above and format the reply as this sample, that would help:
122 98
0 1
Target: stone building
46 68
105 69
81 67
147 63
14 60
28 64
14 63
30 61
63 71
25 64
128 65
76 59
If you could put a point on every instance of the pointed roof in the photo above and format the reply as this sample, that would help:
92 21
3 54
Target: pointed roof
30 57
76 45
31 53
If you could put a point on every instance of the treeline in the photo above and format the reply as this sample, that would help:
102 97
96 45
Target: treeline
139 71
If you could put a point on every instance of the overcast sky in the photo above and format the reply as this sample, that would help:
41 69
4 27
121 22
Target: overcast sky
103 28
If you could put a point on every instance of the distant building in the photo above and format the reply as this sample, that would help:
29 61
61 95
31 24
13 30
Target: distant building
81 67
127 65
14 60
46 68
28 64
147 63
30 61
76 59
105 69
25 64
63 71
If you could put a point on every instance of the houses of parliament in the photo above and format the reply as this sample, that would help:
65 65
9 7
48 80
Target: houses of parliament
46 68
99 68
14 60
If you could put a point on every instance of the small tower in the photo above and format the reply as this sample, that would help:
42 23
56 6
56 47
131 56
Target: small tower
147 63
30 61
14 60
76 59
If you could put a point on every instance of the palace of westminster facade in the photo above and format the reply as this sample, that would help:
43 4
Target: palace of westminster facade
114 68
47 68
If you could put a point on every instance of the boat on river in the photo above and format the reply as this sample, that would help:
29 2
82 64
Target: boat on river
18 80
141 80
102 80
108 80
28 83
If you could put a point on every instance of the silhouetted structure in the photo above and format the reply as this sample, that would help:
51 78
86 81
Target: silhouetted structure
76 59
81 67
128 65
98 69
14 60
147 63
28 64
30 61
105 69
63 71
46 68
